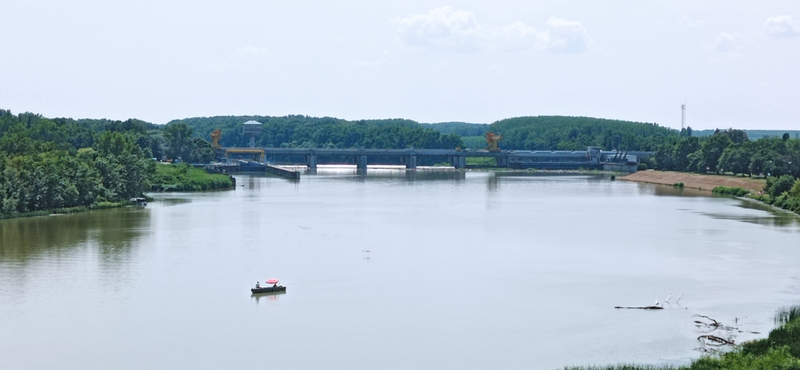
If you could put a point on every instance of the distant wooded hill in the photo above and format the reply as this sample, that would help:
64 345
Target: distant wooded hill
576 133
299 131
522 133
754 134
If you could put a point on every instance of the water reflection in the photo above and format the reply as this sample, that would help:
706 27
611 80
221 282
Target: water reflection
351 173
114 231
769 217
173 201
268 297
672 191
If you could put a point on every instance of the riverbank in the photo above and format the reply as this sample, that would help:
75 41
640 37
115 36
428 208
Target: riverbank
68 210
696 181
780 350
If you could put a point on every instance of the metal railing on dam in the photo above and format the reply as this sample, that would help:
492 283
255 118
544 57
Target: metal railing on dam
592 158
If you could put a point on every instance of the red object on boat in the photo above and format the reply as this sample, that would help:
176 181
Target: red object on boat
272 281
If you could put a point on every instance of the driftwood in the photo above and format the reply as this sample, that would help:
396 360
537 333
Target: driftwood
714 340
640 307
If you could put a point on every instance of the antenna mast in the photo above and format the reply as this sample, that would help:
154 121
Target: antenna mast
683 116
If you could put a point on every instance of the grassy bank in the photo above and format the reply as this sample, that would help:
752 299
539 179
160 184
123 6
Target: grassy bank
182 177
57 211
780 350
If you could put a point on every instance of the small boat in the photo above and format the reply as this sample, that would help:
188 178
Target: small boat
275 288
268 289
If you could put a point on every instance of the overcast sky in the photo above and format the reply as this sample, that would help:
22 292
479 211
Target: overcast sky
734 63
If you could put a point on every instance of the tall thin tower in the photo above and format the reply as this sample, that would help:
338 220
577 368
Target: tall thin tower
683 116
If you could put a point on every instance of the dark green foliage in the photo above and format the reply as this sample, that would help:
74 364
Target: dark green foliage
326 132
724 190
578 133
776 186
735 158
682 152
641 167
62 163
182 177
459 128
756 134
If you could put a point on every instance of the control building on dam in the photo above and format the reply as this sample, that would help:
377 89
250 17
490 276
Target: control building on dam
592 158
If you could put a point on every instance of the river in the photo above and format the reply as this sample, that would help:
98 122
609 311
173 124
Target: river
393 270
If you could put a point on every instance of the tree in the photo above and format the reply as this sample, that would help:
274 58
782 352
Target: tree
684 148
178 136
776 186
711 151
735 158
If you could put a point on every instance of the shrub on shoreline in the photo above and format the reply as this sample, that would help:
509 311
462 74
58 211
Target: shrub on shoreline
724 190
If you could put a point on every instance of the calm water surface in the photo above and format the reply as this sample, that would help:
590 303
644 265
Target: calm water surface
395 270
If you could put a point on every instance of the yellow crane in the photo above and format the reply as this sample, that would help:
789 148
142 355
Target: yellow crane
491 140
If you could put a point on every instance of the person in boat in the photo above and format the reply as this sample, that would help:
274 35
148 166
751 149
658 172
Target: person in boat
275 285
257 285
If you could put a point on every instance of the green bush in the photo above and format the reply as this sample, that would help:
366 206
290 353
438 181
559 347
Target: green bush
777 185
641 167
724 190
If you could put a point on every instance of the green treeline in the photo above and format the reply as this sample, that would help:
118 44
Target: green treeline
578 133
65 164
732 152
50 164
298 131
779 351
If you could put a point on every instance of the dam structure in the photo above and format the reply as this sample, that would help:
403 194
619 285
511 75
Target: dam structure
593 158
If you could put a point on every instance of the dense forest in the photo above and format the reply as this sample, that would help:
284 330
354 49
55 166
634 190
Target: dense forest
61 163
311 132
577 133
49 164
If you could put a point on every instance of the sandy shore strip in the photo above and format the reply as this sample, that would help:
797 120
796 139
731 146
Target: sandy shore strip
695 181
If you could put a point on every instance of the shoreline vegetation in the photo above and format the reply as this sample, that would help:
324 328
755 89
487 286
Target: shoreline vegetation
780 350
67 210
182 177
782 192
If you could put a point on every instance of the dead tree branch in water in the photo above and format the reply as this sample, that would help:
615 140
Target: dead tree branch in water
640 307
713 340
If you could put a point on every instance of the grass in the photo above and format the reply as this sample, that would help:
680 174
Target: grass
182 177
779 351
481 161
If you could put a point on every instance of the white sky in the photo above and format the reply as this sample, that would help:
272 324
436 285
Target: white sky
734 63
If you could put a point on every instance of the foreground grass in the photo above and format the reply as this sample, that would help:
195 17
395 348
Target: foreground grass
182 177
779 351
